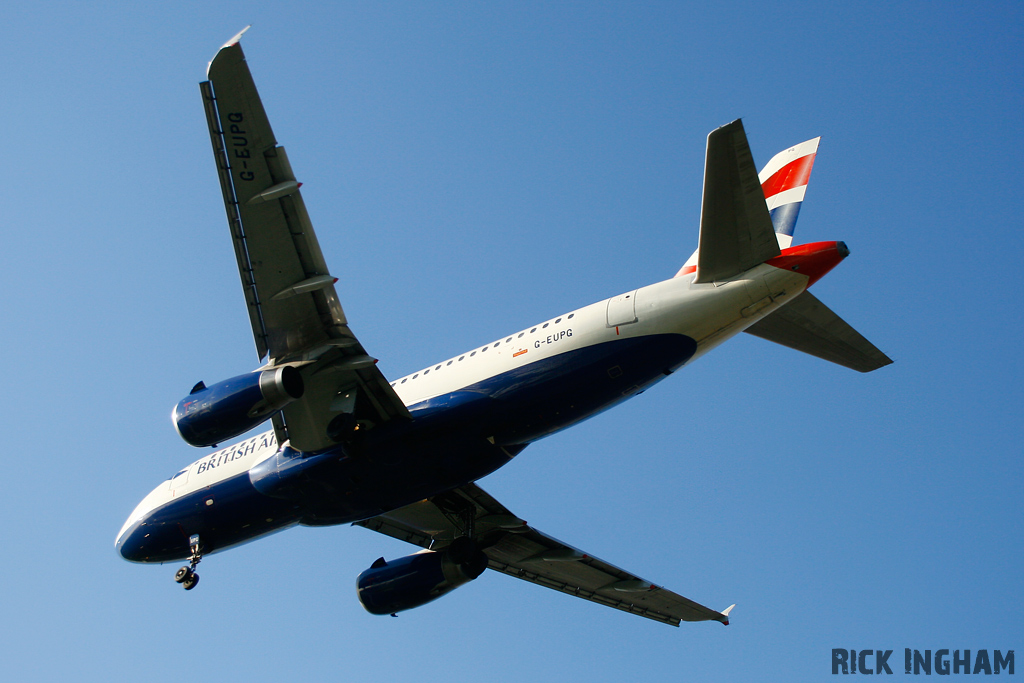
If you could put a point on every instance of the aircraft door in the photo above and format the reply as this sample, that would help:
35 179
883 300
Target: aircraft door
178 480
622 309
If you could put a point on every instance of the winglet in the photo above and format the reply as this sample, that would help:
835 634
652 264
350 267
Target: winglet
230 43
238 36
725 613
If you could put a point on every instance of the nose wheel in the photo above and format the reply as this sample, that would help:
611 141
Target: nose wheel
187 576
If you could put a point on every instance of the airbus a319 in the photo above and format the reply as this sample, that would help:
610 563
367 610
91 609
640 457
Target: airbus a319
402 457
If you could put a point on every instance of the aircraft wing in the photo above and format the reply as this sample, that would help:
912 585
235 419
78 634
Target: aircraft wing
293 307
515 548
736 231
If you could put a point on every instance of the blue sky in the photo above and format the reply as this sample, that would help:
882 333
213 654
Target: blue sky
471 169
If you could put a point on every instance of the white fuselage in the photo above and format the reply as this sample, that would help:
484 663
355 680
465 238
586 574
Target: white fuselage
707 313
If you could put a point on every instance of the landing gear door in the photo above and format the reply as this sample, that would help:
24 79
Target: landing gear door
622 309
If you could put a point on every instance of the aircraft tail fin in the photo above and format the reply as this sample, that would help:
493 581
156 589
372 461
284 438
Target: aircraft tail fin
807 325
784 183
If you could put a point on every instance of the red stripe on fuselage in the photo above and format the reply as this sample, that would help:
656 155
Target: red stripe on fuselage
793 174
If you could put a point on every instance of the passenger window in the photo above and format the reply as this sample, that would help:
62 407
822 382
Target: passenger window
558 321
426 372
416 375
508 340
496 344
520 335
449 362
472 354
405 380
545 325
438 367
571 315
461 357
533 330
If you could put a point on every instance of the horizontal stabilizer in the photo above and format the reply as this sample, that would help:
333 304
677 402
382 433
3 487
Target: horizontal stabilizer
807 325
736 231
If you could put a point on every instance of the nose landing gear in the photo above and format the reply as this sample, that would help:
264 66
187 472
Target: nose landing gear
187 576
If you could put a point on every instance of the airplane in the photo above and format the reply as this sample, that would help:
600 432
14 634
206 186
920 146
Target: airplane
402 457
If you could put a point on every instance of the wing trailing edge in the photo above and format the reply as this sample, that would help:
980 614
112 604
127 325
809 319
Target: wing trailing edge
807 325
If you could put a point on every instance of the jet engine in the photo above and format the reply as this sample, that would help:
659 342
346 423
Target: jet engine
390 587
210 415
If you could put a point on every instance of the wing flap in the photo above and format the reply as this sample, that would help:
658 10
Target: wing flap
515 548
807 325
736 231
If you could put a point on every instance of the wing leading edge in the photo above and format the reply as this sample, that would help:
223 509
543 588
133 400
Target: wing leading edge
517 549
294 310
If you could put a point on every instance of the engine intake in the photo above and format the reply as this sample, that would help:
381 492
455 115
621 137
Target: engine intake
391 587
210 415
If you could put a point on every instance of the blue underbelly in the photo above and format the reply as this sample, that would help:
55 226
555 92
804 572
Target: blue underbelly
452 440
538 399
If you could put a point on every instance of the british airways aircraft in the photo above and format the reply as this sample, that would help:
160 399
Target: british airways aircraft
402 457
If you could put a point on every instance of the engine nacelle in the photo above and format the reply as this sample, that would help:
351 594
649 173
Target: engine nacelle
390 587
211 415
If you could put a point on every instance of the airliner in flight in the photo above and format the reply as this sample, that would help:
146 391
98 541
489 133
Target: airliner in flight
402 457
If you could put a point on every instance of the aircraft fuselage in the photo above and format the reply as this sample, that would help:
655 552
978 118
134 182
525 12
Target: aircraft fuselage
471 414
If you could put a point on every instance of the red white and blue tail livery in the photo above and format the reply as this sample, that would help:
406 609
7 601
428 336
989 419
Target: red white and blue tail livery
402 456
784 183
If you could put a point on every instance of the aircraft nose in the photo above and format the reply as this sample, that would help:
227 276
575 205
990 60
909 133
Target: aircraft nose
843 250
127 545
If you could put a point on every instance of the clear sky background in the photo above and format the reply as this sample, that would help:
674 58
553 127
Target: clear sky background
472 169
